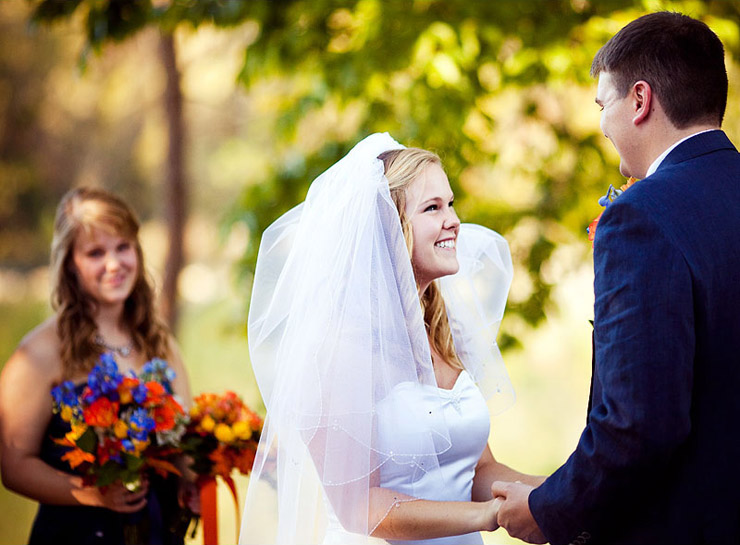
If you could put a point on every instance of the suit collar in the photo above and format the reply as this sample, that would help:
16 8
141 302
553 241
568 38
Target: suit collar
700 144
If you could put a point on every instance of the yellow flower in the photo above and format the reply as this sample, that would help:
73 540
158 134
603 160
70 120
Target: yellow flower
76 433
125 397
195 411
242 430
140 445
120 429
66 413
207 423
223 433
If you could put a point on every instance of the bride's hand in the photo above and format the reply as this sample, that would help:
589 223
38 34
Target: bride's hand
492 508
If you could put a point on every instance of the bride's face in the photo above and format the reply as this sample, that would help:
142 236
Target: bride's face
435 225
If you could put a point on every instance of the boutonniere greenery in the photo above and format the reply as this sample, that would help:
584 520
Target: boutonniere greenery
611 194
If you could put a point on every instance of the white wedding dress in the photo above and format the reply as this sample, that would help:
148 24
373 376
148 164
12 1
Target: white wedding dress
401 420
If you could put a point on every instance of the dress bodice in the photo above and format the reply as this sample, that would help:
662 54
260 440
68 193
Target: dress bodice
401 415
403 418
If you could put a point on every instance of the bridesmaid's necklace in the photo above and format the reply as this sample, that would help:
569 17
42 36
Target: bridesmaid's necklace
123 351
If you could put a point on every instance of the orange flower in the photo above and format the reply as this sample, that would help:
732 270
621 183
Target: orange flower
245 461
605 201
164 418
154 394
630 181
77 456
102 413
222 461
592 229
124 389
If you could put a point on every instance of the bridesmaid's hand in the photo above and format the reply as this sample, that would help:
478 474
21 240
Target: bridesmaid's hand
117 498
188 496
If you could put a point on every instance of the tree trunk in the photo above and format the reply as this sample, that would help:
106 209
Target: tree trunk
175 186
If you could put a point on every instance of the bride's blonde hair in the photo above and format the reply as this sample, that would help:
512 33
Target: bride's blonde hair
402 167
84 210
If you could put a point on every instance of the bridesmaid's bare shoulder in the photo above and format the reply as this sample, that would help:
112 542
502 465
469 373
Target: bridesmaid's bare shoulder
39 352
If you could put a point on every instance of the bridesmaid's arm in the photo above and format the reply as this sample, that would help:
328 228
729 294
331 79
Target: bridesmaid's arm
489 470
181 384
187 491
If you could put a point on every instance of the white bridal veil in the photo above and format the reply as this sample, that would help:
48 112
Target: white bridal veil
335 325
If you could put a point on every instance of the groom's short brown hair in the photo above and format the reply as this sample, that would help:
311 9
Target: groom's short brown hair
681 59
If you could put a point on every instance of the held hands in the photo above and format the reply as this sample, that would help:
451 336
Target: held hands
513 511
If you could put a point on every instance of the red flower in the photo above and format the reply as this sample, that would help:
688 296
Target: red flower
102 412
107 448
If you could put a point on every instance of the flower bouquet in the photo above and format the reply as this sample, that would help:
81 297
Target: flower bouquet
223 435
121 424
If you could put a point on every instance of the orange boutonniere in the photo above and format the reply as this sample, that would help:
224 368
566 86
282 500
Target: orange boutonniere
605 201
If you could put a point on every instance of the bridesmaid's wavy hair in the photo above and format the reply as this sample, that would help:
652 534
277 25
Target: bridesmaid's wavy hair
84 210
402 167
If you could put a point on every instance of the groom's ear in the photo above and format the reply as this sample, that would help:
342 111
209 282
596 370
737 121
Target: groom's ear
641 96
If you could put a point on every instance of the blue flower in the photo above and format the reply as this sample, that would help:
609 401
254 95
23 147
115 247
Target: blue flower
128 446
56 394
139 393
65 394
141 424
105 378
158 370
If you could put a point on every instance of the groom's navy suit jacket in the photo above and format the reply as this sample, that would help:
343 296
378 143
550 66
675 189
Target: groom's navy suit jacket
659 459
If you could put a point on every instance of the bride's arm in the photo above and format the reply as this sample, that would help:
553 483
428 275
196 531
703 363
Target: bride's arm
410 518
363 506
489 470
404 517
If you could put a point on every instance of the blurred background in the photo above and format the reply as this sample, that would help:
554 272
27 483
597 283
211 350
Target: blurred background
212 117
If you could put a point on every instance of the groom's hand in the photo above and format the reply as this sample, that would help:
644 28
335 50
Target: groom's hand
514 513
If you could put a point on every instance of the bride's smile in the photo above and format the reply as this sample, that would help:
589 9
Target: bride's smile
434 224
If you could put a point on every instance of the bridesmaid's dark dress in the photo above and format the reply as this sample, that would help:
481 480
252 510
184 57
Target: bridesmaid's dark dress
83 525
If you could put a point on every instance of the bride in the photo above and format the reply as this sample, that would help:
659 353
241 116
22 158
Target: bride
372 333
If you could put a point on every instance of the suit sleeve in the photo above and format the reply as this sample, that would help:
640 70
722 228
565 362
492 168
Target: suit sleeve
644 346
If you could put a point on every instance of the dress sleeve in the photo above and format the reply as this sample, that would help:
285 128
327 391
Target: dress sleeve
644 345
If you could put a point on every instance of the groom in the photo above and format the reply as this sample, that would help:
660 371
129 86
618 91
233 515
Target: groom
659 459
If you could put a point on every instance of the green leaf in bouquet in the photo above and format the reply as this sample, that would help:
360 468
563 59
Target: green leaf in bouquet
133 463
108 473
131 480
88 441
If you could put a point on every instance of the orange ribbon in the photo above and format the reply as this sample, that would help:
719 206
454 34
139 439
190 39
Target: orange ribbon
209 508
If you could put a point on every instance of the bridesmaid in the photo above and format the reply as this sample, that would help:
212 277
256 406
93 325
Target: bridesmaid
103 302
